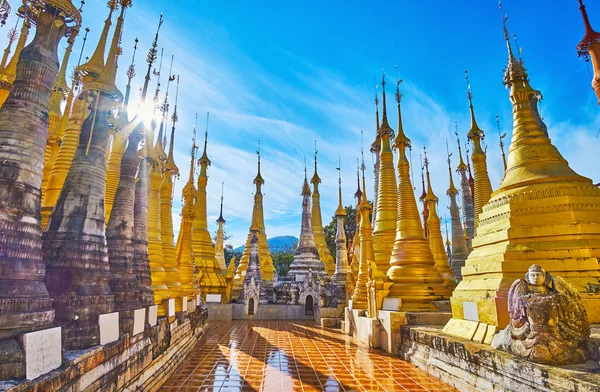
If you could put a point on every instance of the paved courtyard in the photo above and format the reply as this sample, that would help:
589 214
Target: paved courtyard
291 356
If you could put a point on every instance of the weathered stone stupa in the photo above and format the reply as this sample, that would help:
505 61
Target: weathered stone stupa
306 257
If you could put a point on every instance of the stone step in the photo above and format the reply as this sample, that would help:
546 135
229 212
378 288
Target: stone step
331 322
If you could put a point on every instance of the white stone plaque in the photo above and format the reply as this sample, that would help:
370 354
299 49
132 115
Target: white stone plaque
213 298
43 352
109 327
198 300
470 311
171 307
300 278
350 304
152 315
184 304
392 304
139 319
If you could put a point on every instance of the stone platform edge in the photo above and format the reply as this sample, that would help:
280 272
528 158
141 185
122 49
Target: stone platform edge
139 363
471 366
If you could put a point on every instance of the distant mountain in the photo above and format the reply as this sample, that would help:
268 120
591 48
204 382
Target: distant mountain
277 243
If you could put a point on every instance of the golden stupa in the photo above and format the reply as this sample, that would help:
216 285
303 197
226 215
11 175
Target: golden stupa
412 267
317 224
543 213
384 231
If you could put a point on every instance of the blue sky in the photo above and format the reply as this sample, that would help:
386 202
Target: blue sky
291 73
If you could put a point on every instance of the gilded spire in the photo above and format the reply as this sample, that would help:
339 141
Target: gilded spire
385 204
12 36
436 242
451 189
317 223
258 180
61 79
385 126
475 134
316 180
340 211
482 187
105 82
430 196
364 183
423 197
130 76
500 137
170 164
305 187
376 145
150 59
358 193
204 162
401 142
9 73
190 183
461 162
95 64
221 219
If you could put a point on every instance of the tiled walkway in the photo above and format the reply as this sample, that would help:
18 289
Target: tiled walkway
291 356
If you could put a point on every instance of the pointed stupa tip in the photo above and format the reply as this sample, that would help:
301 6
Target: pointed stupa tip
305 187
95 64
461 163
364 204
106 81
130 75
590 36
358 193
61 80
401 140
315 180
424 193
221 219
384 128
376 145
451 189
515 73
258 180
430 196
340 211
193 154
150 59
475 131
204 161
171 166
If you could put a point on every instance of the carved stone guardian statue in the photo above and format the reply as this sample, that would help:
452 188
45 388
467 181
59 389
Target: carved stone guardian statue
548 322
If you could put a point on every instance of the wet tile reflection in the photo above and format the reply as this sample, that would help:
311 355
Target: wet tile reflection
291 356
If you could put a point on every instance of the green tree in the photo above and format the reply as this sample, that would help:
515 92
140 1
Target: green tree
282 259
